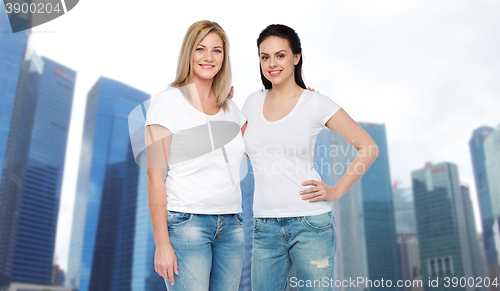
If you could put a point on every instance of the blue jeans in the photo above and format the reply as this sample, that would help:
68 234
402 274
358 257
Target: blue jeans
307 242
209 250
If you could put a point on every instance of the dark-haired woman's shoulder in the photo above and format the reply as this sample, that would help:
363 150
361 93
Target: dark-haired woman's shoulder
324 107
251 103
321 97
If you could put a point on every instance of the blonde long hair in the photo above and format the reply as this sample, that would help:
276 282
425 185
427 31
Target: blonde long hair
222 81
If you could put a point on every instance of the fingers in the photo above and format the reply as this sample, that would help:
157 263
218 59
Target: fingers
167 272
310 182
309 190
316 197
231 92
170 275
311 194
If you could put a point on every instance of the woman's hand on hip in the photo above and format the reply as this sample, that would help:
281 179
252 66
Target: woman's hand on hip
166 262
319 191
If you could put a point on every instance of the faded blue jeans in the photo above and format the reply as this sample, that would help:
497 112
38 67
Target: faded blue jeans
307 242
209 250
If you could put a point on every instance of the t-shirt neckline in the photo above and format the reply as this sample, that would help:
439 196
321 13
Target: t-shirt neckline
199 112
284 117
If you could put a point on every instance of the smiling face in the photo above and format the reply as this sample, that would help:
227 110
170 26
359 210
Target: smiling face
208 57
277 60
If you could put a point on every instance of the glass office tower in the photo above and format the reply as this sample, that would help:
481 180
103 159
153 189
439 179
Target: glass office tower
36 95
39 208
477 258
492 167
378 209
476 145
442 224
407 236
492 158
12 52
103 230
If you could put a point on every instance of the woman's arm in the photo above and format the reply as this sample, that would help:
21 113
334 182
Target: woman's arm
368 151
158 140
243 128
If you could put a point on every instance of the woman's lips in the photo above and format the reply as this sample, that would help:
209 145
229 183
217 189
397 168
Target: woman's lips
275 73
207 67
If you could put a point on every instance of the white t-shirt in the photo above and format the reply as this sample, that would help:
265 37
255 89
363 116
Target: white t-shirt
281 153
205 154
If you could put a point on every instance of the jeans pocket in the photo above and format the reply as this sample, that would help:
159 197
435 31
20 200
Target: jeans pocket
178 220
239 219
318 223
256 224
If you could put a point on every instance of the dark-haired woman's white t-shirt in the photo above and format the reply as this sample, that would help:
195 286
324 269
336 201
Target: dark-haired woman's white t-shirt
281 153
207 182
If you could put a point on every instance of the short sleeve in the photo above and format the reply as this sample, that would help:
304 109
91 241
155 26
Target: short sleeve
245 110
325 108
161 111
239 116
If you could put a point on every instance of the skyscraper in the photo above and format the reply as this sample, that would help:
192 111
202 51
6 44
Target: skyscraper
442 224
477 151
477 258
407 237
12 55
103 231
492 166
33 163
378 210
492 158
39 209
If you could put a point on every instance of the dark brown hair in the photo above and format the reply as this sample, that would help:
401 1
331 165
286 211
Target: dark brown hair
285 32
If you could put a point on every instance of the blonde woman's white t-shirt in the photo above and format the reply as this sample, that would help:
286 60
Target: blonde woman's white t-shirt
281 153
209 183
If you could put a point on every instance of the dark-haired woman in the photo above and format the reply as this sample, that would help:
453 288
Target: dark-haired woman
293 222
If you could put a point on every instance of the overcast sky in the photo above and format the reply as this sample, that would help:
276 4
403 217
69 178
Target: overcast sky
427 69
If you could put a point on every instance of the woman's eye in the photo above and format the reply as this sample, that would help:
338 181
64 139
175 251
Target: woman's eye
200 49
264 58
218 51
281 56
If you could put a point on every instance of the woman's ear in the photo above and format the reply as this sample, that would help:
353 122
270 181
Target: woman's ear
296 58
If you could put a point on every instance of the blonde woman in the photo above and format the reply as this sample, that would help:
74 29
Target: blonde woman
196 130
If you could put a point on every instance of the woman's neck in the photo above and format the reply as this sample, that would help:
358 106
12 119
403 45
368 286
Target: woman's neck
286 90
203 87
